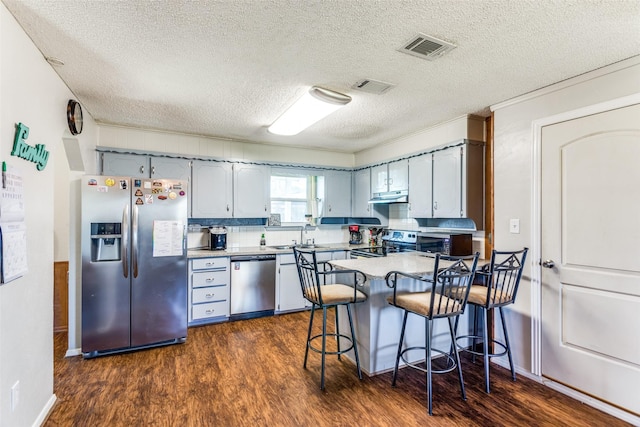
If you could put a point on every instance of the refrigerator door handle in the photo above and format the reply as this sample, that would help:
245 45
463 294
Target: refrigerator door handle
134 241
124 242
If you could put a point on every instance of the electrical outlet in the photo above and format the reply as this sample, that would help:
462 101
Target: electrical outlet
15 395
514 226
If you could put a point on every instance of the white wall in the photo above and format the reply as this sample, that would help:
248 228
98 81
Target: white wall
200 146
513 163
32 93
465 127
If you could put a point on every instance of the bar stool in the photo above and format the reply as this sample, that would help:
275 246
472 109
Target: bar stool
322 295
444 296
501 279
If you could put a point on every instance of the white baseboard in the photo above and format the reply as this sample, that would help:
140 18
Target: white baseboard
42 417
73 352
575 394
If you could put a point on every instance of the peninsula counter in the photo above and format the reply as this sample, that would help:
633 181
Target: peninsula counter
377 324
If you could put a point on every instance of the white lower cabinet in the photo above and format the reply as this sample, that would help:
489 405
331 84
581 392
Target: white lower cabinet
288 289
209 289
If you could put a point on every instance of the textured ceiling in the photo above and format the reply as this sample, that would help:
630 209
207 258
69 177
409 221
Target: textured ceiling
229 68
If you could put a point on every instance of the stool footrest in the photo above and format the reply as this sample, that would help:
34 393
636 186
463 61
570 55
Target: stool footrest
481 353
450 363
336 336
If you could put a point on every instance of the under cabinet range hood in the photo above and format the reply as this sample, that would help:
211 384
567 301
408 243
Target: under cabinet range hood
401 196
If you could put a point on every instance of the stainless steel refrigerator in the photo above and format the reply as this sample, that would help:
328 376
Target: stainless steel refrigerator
134 263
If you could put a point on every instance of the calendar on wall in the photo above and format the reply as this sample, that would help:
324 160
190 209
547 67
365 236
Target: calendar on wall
13 230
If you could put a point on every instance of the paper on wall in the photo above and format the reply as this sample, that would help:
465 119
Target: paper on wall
13 250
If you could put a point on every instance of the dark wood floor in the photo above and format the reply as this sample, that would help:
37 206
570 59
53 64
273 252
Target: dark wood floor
249 373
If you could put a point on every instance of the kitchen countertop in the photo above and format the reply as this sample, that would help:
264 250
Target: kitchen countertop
265 250
408 262
378 267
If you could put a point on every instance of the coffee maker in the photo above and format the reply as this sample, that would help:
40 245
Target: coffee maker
355 235
217 238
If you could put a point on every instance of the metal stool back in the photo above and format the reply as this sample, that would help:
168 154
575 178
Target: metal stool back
313 279
501 279
444 296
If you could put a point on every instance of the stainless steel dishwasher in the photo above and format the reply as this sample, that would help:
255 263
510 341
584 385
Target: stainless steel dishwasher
253 285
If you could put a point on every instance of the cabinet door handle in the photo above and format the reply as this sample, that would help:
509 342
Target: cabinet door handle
142 169
227 208
209 311
153 170
209 279
209 295
435 205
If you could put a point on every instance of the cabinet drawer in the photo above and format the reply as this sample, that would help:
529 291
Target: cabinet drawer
212 309
210 294
210 278
210 263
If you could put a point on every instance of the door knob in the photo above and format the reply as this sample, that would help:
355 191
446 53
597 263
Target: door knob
548 263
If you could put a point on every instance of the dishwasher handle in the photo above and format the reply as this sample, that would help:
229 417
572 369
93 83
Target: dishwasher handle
253 258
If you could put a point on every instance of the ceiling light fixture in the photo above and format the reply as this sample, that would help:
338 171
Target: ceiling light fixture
314 105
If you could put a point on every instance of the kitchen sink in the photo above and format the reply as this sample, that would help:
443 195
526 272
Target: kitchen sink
305 246
282 247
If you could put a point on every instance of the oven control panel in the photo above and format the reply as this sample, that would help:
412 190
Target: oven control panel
401 236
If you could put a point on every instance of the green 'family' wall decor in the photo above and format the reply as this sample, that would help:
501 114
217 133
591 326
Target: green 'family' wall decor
38 154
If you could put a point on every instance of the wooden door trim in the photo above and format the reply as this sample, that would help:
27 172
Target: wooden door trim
60 296
488 187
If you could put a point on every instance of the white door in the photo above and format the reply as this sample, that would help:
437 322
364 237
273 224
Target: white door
590 197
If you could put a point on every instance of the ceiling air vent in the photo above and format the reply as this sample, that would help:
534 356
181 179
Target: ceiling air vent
372 86
426 47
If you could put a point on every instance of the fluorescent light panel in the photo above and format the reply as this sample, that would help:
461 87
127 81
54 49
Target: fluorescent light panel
313 106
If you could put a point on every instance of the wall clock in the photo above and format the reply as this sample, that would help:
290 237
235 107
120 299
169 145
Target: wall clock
74 117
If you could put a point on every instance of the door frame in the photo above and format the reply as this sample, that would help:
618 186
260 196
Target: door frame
536 248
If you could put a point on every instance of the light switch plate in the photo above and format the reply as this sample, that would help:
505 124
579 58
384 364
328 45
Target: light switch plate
514 225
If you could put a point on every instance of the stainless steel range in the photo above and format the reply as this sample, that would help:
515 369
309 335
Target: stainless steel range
392 241
411 240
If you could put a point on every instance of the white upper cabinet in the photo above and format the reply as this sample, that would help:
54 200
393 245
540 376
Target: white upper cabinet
212 190
145 166
251 191
458 183
337 188
447 183
420 186
133 165
170 168
379 178
392 176
398 175
361 193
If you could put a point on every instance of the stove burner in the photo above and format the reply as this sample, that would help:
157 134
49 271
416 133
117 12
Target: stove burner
378 251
